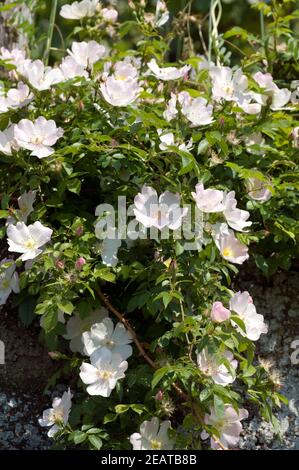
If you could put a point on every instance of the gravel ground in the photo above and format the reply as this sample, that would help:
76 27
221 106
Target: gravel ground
278 302
24 377
19 428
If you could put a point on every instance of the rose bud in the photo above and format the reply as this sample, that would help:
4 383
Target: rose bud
79 263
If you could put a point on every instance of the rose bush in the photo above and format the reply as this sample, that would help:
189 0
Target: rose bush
156 348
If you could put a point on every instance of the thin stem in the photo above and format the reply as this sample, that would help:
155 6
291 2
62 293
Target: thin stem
50 31
262 25
125 322
210 33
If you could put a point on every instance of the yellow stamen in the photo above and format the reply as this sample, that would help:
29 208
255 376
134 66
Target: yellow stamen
156 444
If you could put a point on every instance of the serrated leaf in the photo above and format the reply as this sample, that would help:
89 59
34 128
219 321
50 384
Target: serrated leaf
95 441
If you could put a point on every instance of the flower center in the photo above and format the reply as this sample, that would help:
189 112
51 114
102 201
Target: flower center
24 210
105 374
57 416
227 252
229 90
156 444
37 140
109 343
30 244
123 78
5 284
211 369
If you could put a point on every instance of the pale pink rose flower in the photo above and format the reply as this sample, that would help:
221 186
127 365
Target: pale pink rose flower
229 426
37 136
219 313
208 200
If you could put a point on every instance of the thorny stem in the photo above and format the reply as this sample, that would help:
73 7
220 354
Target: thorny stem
178 390
127 325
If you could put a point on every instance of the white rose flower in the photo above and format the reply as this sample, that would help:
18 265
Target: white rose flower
241 303
79 10
57 416
211 366
153 435
255 139
28 240
167 140
15 56
7 141
198 112
71 69
39 76
124 70
167 73
162 14
226 83
9 279
76 326
119 92
229 426
25 203
171 110
109 14
233 86
236 218
87 53
109 250
279 96
258 189
103 373
37 136
105 335
19 97
159 213
208 200
229 246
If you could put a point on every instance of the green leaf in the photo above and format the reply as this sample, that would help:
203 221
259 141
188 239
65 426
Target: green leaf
119 409
137 408
95 441
104 274
219 406
74 185
94 431
4 214
109 418
78 437
66 306
9 6
236 319
236 31
50 320
27 311
158 375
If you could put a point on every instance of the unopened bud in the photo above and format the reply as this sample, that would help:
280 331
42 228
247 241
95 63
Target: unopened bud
79 263
79 231
59 264
159 395
54 355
